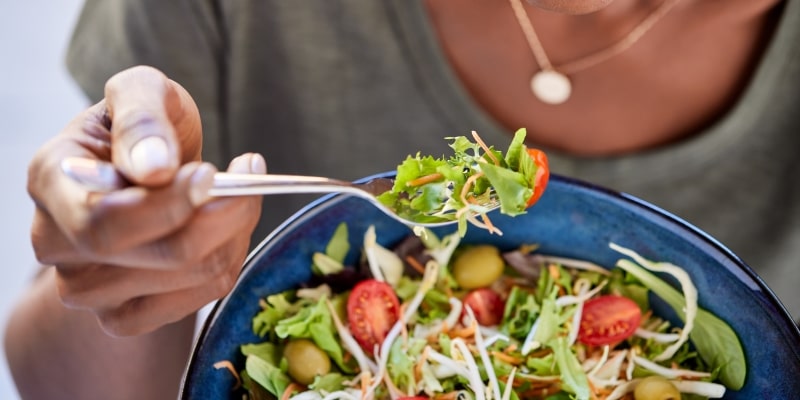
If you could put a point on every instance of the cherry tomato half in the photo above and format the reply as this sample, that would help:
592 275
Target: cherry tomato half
608 319
486 304
542 174
372 310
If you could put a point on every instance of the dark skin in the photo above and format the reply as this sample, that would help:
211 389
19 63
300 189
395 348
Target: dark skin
630 102
128 277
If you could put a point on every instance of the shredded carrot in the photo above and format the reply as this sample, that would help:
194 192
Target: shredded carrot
485 148
422 180
554 271
290 388
489 225
420 363
403 327
463 332
229 366
415 264
592 390
447 396
506 358
468 185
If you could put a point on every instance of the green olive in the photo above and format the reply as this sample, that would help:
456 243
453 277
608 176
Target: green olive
656 388
305 360
478 266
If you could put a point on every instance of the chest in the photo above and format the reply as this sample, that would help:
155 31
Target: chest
679 77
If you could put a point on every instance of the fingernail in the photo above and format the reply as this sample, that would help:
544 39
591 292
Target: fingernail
94 174
201 182
149 155
240 164
257 164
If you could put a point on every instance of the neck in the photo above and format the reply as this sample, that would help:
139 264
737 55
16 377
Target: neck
588 7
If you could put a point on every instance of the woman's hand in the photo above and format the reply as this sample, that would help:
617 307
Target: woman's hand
154 249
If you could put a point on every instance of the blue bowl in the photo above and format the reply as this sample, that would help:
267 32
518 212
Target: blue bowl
572 219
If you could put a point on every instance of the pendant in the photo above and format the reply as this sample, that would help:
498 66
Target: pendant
551 87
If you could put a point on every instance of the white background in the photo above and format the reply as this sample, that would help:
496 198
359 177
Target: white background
37 98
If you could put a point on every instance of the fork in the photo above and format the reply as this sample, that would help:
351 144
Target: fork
102 177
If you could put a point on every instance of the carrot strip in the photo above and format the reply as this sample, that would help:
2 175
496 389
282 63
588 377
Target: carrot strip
554 272
464 332
506 358
422 180
290 388
485 148
447 396
229 366
415 264
468 185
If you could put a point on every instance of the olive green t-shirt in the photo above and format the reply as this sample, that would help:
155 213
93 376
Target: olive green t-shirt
349 88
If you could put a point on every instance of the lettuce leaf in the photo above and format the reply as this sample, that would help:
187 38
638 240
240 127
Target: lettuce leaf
269 376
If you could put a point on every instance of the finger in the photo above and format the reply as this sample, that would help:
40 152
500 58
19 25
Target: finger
124 219
208 228
248 163
104 286
211 226
152 117
145 314
93 174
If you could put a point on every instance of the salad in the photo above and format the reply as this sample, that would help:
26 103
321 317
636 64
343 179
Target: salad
466 184
437 319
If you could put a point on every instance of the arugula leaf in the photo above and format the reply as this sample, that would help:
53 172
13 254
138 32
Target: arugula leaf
520 311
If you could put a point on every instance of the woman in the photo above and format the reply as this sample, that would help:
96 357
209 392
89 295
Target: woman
688 104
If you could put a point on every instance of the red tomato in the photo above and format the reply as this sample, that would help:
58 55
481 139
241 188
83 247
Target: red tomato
542 174
372 310
487 306
608 319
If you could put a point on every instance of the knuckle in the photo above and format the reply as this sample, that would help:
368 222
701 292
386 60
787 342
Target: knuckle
91 237
127 120
214 265
225 282
121 321
70 299
113 324
175 253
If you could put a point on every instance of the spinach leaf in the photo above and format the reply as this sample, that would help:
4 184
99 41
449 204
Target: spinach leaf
715 340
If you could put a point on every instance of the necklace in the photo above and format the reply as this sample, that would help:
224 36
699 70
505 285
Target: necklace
551 84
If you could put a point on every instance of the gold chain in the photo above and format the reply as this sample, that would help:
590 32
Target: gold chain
594 58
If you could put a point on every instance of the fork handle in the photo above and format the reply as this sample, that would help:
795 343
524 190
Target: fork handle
103 177
231 184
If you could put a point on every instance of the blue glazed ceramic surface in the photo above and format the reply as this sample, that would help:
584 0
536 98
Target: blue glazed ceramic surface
572 219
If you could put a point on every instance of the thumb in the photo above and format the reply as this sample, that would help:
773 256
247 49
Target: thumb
150 116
